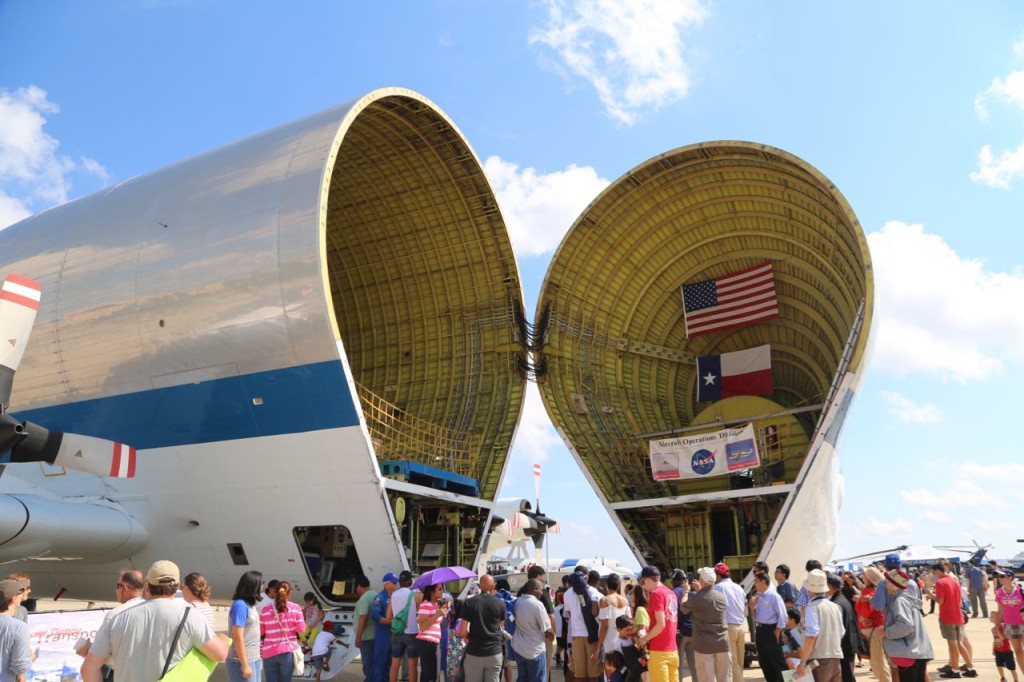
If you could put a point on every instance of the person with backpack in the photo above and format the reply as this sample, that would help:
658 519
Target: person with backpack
402 612
581 605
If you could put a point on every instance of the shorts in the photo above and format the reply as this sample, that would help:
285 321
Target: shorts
952 632
404 644
1014 631
318 662
1004 659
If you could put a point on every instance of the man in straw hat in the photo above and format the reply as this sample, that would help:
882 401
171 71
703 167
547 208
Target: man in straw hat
871 622
906 641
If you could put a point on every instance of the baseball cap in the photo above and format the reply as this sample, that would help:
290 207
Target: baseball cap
404 576
390 578
9 589
650 572
892 560
163 572
722 569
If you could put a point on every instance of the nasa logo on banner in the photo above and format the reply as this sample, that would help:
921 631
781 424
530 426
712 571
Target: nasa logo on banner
716 453
702 462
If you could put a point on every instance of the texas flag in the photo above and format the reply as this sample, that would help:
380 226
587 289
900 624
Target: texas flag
745 372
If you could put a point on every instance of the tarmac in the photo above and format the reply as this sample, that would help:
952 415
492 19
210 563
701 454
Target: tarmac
978 632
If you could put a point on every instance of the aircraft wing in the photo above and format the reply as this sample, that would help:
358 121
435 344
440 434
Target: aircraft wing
19 300
74 451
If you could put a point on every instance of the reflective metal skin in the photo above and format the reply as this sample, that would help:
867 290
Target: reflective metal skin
233 314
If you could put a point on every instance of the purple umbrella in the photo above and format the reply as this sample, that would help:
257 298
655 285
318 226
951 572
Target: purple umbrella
443 575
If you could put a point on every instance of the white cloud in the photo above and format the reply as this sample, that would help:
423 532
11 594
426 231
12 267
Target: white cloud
630 51
935 516
539 208
922 497
938 313
536 438
875 526
906 410
33 174
999 172
976 470
993 525
1009 90
1000 169
11 210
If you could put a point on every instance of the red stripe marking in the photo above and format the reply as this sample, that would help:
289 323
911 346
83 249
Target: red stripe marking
20 300
730 327
747 318
24 281
131 462
734 277
115 463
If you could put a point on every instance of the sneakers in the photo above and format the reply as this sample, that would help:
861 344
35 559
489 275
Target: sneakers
951 674
945 669
970 672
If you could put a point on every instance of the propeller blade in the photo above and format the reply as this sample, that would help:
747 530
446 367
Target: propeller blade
19 301
75 451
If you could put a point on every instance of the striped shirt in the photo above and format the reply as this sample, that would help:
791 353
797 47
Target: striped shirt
433 633
279 629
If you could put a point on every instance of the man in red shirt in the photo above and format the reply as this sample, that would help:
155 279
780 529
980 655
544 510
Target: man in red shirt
951 623
663 605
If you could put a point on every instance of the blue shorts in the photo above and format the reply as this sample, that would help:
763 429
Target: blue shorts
404 644
318 662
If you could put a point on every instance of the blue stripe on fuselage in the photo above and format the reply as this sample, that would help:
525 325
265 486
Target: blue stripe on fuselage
295 400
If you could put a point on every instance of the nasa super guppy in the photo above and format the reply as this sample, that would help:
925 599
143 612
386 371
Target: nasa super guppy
314 340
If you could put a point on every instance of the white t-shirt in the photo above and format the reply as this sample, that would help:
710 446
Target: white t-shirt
322 643
577 626
139 638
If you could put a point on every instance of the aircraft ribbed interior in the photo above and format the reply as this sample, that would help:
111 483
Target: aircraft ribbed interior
424 285
618 364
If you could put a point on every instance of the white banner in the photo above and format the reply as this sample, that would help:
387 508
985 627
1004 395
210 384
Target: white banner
54 634
709 454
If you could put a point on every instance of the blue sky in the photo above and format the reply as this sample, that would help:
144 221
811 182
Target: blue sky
915 110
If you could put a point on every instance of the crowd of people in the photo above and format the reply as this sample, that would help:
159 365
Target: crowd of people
600 629
161 619
837 620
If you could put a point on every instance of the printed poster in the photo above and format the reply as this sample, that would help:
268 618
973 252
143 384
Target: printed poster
708 454
53 635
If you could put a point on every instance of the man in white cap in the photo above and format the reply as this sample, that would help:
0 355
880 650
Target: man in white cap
823 632
141 638
710 632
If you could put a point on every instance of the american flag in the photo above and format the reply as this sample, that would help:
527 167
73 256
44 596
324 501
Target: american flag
734 300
